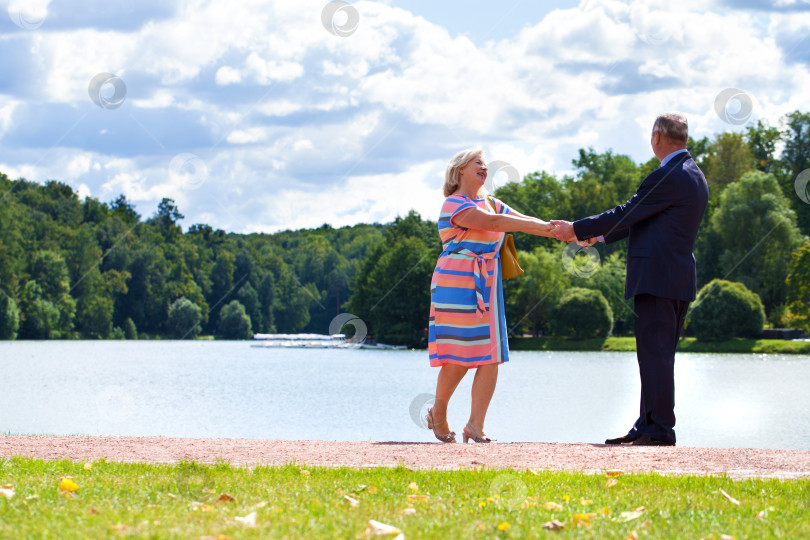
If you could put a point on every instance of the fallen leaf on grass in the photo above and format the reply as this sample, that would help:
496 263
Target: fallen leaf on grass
585 502
413 487
407 511
7 491
727 537
88 466
219 537
375 528
583 520
553 525
551 505
68 485
372 490
304 472
630 516
93 511
611 482
613 473
417 498
226 498
354 503
731 499
606 511
632 535
762 514
535 472
248 521
119 527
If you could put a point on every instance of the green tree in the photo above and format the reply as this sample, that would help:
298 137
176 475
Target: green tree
530 297
798 282
581 314
39 318
94 316
725 309
538 194
609 279
762 138
728 159
130 332
9 317
184 319
795 160
234 323
392 294
757 228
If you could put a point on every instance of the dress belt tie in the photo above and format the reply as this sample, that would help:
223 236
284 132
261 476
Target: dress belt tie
479 275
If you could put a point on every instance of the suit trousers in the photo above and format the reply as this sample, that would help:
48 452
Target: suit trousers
658 323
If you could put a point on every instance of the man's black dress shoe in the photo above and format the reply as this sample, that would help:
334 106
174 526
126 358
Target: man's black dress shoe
621 440
649 441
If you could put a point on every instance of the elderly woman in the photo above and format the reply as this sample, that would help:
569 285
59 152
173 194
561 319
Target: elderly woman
467 324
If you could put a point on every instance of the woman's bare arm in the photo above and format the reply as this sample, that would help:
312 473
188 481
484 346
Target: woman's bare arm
476 218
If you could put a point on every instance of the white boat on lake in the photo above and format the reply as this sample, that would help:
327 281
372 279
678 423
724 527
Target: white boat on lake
317 341
304 341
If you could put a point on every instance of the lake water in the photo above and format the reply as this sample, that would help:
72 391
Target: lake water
229 389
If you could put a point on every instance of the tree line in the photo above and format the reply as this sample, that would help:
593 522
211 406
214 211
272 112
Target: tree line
72 268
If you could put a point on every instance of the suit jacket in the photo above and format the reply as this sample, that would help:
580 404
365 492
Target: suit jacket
661 221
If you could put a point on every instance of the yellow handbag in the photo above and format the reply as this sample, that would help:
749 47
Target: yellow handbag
510 267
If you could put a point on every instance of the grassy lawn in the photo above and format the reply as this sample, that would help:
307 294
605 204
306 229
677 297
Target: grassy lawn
190 501
628 344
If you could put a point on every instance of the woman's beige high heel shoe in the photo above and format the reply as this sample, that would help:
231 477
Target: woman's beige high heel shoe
471 433
444 437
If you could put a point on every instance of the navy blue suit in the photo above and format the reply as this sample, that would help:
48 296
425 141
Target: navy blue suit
661 221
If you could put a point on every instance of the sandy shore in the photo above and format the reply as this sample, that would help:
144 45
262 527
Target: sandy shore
592 458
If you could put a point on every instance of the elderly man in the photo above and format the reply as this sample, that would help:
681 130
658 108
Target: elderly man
661 221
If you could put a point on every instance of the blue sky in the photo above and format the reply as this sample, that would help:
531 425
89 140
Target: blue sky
259 116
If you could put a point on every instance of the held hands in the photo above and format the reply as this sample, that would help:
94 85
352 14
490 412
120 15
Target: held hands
564 231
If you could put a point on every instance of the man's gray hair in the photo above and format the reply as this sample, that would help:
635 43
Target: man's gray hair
673 126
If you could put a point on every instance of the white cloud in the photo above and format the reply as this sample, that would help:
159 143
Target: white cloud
228 75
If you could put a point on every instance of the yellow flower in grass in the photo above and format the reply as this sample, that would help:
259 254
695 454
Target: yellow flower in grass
503 526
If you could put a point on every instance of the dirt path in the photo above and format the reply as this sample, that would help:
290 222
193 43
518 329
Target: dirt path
736 462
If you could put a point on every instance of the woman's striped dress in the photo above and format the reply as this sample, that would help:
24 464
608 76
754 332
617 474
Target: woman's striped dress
467 323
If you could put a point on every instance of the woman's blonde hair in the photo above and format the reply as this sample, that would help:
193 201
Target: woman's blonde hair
453 173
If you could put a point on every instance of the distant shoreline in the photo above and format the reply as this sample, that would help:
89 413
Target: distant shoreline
691 345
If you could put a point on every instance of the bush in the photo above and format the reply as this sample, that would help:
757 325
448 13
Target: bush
234 322
130 332
724 310
9 317
582 314
184 319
